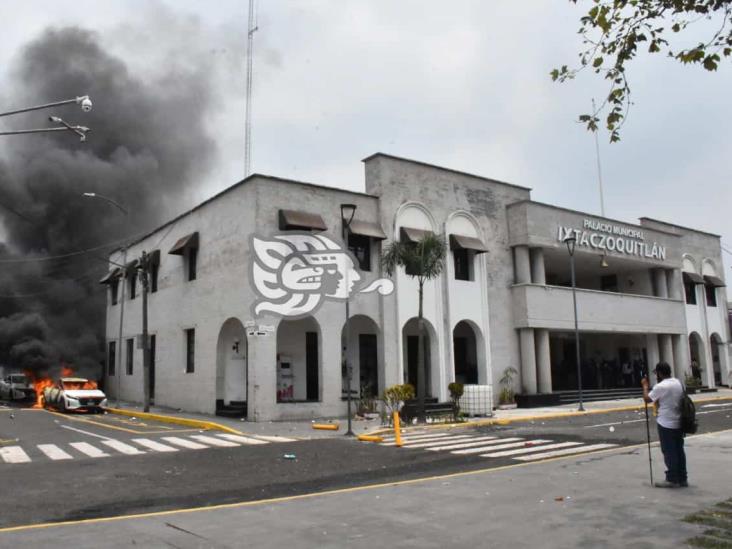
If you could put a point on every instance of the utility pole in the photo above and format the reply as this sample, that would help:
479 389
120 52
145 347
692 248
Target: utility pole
251 29
144 264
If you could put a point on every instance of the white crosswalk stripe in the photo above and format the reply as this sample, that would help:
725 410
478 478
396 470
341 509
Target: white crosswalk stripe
500 445
14 454
531 449
390 441
185 443
54 452
212 441
88 449
122 447
154 445
438 442
135 447
478 441
566 452
242 439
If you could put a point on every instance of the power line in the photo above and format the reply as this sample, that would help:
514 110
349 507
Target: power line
70 254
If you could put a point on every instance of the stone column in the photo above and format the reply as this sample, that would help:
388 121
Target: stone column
659 282
666 350
543 361
724 364
262 377
653 355
674 284
528 361
538 271
682 361
522 265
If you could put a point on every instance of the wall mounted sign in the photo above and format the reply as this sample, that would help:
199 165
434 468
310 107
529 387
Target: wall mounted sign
607 237
293 273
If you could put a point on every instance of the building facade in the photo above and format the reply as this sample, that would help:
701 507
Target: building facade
241 314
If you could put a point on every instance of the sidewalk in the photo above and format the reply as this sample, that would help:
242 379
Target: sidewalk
303 428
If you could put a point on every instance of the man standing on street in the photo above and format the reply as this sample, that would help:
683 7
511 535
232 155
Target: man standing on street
666 396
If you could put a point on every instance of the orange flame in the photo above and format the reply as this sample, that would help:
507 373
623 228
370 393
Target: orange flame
39 385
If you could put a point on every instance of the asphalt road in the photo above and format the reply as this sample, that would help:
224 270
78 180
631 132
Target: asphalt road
43 489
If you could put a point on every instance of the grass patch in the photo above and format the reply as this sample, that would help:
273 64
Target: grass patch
718 519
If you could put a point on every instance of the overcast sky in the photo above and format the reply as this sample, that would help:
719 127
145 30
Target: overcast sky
464 86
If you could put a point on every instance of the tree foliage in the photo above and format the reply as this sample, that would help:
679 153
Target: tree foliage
615 31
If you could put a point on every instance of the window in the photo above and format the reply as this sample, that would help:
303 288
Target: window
711 292
462 258
609 283
113 288
690 292
129 359
192 260
312 381
132 281
360 246
154 268
111 357
190 350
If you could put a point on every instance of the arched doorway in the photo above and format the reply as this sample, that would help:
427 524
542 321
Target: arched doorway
231 370
363 342
697 357
466 354
410 335
715 345
298 361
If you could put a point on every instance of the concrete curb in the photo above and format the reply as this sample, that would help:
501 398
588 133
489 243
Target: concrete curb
536 417
198 424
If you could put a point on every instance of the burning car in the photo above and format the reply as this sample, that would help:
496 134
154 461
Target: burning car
16 387
74 393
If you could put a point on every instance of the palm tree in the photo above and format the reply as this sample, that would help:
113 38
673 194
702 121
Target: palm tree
424 260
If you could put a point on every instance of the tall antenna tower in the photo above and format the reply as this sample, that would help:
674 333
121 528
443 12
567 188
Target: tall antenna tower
251 29
599 170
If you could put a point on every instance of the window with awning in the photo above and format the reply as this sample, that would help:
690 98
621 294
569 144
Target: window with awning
365 228
462 242
409 234
154 268
692 278
360 237
464 249
184 244
296 220
111 277
714 281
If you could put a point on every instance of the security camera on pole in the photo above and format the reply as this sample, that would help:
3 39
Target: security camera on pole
83 101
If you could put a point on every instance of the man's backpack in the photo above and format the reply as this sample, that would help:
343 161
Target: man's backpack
689 424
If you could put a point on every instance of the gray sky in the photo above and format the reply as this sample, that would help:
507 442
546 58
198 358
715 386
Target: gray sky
465 87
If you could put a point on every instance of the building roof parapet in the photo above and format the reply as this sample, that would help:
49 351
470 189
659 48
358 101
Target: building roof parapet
442 168
675 226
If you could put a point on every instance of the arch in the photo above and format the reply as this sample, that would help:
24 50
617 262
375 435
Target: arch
716 348
697 358
402 215
410 332
708 267
362 338
468 353
299 364
231 369
688 265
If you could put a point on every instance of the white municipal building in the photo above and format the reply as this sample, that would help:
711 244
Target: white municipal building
247 304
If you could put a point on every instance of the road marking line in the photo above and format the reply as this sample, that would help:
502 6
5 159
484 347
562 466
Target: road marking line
154 445
243 440
214 441
122 447
391 441
54 452
480 441
715 405
185 443
463 438
314 495
274 438
614 423
83 432
415 436
14 454
565 452
88 449
498 445
519 451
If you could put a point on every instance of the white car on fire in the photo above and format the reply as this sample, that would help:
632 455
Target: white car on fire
16 387
74 393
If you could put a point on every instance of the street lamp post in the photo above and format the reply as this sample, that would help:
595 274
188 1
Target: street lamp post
118 367
347 213
83 101
571 242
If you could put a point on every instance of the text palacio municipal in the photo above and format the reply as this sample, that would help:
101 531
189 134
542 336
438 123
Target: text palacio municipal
613 238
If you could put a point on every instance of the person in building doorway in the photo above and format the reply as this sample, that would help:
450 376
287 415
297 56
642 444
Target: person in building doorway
666 396
627 374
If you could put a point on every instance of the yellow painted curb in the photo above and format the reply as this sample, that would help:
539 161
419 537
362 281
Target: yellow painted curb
326 426
370 438
537 417
210 425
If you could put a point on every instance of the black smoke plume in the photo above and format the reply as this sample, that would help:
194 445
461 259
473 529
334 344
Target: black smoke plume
147 149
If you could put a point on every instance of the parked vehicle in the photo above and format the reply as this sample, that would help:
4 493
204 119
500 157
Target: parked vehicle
16 387
74 393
